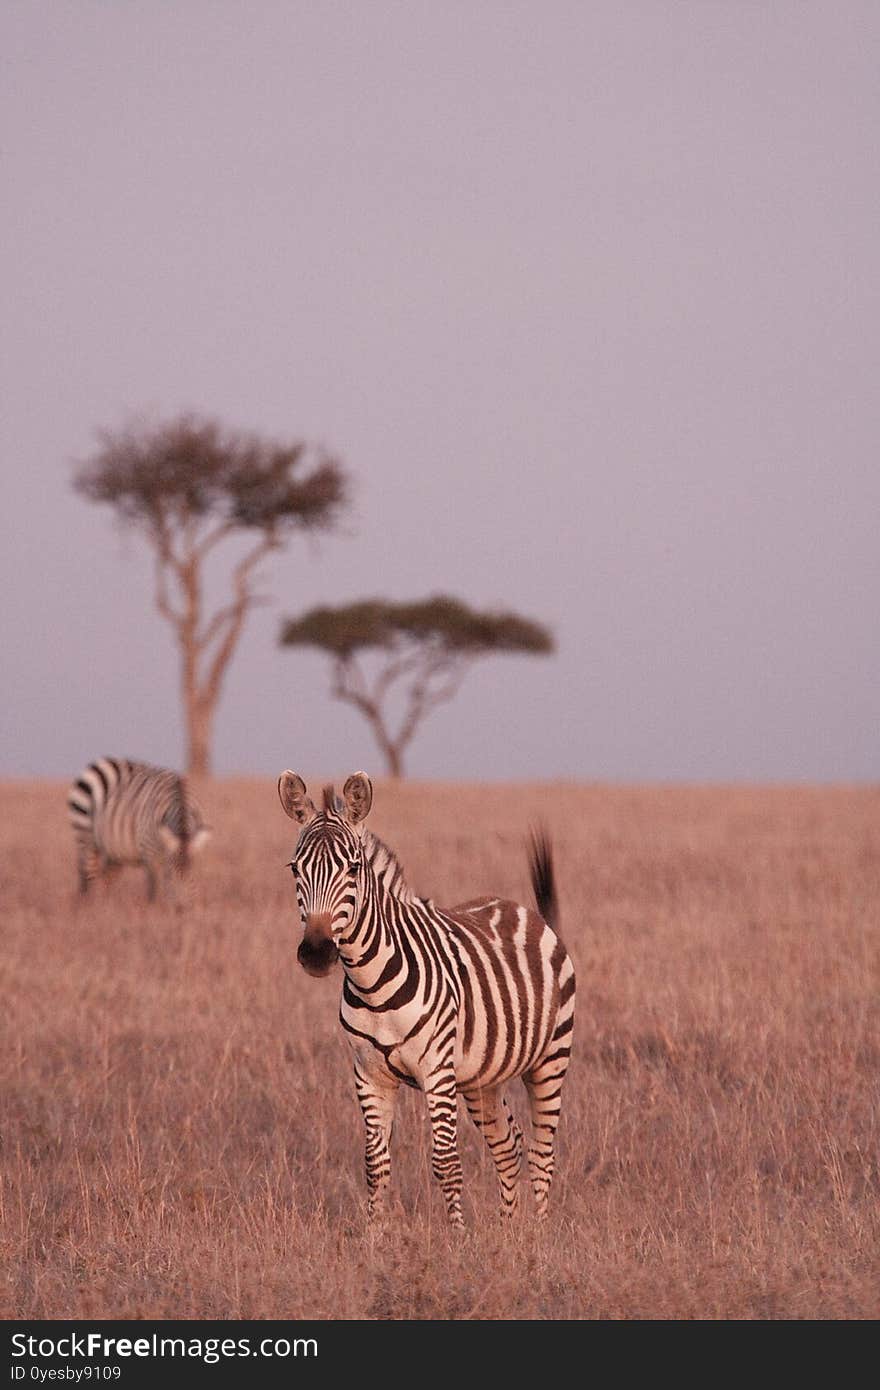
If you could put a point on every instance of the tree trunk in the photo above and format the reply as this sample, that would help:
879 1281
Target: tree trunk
394 758
392 751
198 704
199 728
349 685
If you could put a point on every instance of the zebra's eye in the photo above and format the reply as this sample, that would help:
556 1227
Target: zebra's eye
354 865
292 867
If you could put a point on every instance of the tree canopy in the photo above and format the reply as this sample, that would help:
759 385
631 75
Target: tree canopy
446 622
196 469
423 650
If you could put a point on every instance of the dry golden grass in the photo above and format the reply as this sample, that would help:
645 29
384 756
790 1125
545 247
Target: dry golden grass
180 1135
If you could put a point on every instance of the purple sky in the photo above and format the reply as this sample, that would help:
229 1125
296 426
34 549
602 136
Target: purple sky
586 297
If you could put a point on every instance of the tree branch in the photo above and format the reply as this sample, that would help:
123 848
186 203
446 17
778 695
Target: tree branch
228 623
422 698
224 616
349 685
453 683
163 603
348 680
394 670
219 533
166 559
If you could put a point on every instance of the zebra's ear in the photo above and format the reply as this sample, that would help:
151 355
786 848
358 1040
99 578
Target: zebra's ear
358 797
292 791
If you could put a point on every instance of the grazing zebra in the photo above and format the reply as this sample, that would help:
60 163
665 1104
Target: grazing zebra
130 813
449 1000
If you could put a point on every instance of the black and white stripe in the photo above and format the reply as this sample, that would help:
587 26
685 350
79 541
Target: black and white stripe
453 1001
125 812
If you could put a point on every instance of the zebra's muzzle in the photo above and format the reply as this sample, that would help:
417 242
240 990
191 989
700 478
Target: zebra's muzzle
317 954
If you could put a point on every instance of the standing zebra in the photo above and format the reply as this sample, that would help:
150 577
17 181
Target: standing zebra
130 813
449 1000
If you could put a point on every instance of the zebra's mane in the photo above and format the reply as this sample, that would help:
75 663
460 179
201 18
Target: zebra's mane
387 867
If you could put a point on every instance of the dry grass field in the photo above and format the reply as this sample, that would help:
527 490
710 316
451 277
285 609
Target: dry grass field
180 1136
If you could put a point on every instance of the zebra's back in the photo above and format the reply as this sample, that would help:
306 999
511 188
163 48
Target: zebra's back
92 787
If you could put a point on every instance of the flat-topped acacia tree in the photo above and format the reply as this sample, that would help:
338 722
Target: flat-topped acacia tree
189 485
418 653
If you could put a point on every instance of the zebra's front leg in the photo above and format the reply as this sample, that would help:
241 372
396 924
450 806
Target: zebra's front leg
150 873
445 1162
377 1099
88 864
170 883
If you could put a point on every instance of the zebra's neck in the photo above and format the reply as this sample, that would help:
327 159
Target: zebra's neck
373 951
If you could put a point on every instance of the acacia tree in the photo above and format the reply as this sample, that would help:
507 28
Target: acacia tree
188 485
419 653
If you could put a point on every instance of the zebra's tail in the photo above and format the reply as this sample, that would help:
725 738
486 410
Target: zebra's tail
543 878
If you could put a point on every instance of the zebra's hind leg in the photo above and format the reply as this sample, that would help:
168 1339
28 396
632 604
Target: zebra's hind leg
544 1085
377 1106
491 1115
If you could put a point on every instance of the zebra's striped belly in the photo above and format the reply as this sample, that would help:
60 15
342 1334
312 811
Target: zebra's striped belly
413 1061
491 1059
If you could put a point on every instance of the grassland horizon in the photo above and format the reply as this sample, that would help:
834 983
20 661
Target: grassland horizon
181 1136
